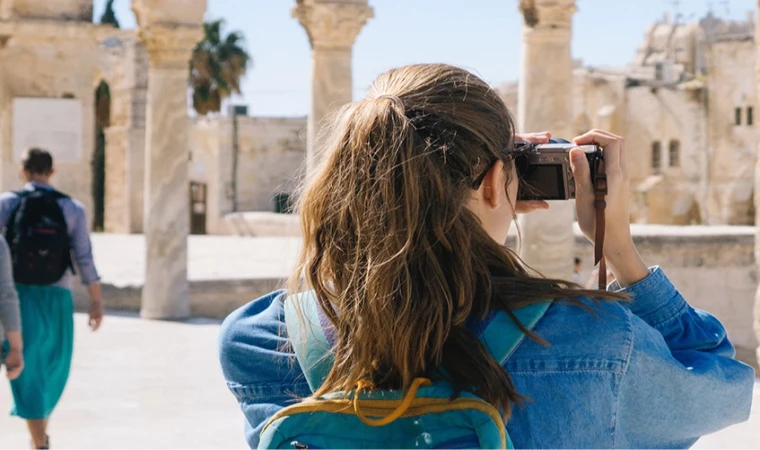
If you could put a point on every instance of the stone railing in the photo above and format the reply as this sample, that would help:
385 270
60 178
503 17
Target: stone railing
712 266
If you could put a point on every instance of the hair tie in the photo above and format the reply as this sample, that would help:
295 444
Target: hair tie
396 101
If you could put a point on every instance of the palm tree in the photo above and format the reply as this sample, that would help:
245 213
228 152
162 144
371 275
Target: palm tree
217 66
109 16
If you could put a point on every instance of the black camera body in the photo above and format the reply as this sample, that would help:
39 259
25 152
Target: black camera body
545 172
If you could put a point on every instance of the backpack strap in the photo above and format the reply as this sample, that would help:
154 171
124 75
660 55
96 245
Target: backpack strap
313 351
502 336
308 339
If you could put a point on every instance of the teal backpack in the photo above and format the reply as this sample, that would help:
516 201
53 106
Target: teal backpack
424 417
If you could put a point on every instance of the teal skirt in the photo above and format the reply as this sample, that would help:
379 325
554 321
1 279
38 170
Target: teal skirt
47 327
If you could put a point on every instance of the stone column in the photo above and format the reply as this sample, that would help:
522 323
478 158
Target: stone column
165 294
756 323
332 28
545 101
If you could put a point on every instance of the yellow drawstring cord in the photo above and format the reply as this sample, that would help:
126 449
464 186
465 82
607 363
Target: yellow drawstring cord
398 412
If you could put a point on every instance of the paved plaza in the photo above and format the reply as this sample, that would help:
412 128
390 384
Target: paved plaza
139 384
143 384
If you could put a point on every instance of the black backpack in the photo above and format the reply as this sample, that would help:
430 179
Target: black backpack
38 238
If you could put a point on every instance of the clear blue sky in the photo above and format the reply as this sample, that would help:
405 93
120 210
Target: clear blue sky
482 35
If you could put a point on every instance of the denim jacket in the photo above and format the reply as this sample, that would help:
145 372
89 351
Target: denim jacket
652 373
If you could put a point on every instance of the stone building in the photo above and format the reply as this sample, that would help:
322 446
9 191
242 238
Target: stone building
686 105
271 161
52 59
48 54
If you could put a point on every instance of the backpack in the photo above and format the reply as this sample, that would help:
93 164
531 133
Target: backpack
424 417
38 238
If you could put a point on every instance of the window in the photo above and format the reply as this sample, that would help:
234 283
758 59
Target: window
737 116
656 156
674 151
749 115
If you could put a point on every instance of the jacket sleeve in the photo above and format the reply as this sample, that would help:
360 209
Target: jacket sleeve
260 369
10 319
681 380
80 244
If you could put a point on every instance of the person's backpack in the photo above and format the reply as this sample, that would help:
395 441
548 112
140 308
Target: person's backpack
426 417
38 238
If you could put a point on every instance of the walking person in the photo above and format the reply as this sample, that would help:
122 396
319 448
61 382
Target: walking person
11 344
44 228
576 276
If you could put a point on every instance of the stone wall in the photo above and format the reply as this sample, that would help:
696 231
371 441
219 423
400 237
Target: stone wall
732 147
272 155
49 59
712 266
669 194
598 99
80 10
684 88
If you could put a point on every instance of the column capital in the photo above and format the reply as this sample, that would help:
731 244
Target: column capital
170 46
548 14
332 25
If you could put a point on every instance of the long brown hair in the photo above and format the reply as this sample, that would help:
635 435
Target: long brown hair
398 263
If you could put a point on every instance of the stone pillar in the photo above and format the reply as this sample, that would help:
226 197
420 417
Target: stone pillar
756 323
545 101
169 43
332 27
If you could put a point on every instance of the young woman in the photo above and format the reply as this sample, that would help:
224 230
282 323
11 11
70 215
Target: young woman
403 231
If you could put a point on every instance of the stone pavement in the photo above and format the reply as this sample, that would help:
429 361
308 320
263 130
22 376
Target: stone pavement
142 384
139 384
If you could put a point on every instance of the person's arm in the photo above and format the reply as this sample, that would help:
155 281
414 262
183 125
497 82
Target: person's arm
9 306
682 381
260 368
82 248
9 315
8 201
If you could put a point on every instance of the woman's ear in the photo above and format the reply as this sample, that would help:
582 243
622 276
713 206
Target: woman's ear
494 186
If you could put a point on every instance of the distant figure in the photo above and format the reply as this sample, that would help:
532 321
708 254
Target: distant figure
11 355
43 228
576 278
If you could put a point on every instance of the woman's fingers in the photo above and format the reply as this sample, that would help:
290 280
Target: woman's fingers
584 191
614 157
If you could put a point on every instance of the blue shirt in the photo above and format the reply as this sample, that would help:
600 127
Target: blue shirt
652 373
78 228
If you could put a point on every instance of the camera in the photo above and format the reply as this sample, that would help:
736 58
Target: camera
544 169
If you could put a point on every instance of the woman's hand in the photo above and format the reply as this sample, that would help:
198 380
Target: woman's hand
96 314
528 206
621 254
14 363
